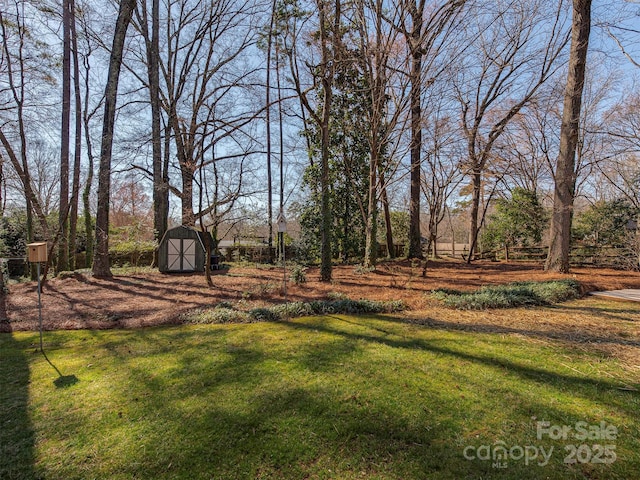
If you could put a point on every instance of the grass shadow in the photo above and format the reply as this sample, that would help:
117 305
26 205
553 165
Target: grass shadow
17 436
321 397
257 425
62 381
580 385
574 337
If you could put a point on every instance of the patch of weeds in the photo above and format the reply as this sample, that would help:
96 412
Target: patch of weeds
293 309
216 315
126 269
298 275
362 270
347 305
264 288
65 274
399 280
337 296
518 294
284 311
242 304
263 314
225 304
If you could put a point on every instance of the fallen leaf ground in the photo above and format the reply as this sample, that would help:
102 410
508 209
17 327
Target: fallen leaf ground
148 299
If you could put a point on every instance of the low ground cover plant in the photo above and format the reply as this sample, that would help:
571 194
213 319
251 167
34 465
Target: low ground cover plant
227 313
518 294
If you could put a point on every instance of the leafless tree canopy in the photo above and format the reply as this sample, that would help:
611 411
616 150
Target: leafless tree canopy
463 101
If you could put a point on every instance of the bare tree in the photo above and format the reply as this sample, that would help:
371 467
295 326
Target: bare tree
63 214
512 59
329 42
75 184
19 72
270 35
527 145
87 115
159 166
202 70
376 45
3 288
101 267
441 172
565 175
426 28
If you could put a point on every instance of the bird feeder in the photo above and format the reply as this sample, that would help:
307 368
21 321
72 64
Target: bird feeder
282 223
37 252
282 228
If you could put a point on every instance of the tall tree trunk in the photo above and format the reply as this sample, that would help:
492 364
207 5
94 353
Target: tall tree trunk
565 175
371 241
160 188
63 213
376 72
3 292
327 86
268 133
326 224
188 215
415 235
75 190
474 229
280 130
86 206
101 266
86 192
387 215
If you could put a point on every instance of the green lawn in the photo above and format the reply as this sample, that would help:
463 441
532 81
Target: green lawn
319 397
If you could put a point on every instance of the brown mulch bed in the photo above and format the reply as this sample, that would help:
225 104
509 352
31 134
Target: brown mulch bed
83 301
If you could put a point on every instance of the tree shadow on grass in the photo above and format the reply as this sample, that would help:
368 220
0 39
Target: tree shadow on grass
242 403
618 313
572 336
17 436
309 426
580 385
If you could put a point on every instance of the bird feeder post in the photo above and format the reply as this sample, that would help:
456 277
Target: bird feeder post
282 228
37 253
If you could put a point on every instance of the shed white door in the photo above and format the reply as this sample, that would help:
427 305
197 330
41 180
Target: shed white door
181 254
188 254
174 246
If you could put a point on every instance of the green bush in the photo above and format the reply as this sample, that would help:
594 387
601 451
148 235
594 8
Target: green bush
136 253
519 294
517 221
604 223
337 296
298 275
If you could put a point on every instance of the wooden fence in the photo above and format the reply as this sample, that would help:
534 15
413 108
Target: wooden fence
581 255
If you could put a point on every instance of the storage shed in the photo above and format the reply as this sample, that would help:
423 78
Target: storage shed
182 249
